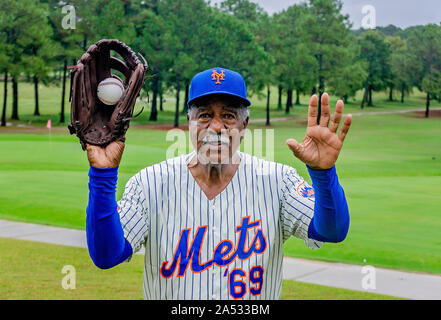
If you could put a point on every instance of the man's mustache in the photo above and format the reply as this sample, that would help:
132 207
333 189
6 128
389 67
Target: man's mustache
215 139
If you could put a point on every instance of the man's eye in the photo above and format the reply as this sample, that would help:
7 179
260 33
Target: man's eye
204 115
229 116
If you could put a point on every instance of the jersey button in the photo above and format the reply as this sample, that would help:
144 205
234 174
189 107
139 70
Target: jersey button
213 297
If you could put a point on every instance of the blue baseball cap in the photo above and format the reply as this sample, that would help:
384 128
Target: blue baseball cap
218 81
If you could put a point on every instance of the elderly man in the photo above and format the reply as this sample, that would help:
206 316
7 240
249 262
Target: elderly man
213 222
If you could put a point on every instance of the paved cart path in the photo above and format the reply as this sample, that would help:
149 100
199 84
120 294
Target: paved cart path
389 282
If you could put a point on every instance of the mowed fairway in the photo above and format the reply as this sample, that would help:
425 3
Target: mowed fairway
390 168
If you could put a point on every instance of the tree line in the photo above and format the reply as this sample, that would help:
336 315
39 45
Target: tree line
306 48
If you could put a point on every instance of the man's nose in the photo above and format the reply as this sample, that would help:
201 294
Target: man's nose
217 125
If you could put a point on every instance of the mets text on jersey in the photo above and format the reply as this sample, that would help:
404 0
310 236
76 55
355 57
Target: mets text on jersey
223 254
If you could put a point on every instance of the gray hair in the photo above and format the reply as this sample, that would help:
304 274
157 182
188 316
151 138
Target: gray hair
242 111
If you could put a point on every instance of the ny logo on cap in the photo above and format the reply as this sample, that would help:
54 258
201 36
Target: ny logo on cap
218 76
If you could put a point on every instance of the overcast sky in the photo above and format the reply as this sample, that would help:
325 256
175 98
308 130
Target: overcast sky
402 13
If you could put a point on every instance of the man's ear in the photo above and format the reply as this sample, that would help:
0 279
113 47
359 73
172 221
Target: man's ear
245 122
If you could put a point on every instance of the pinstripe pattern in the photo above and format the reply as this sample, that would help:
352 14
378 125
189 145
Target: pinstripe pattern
162 201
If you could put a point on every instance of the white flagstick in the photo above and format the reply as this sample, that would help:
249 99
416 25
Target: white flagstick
49 126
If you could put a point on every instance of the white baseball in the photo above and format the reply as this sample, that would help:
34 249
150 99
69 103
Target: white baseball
110 91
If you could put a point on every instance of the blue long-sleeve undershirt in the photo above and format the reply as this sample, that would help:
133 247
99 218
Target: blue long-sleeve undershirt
331 214
105 236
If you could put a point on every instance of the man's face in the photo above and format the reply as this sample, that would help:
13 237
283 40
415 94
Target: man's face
216 129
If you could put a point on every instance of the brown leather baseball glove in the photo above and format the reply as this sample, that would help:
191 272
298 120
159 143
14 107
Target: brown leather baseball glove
91 120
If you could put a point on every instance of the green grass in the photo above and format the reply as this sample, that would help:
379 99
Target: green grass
390 168
50 105
42 279
34 272
294 290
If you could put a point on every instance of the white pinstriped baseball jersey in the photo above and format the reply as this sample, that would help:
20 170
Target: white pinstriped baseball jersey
226 248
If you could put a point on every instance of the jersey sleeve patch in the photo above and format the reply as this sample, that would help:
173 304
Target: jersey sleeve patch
305 191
